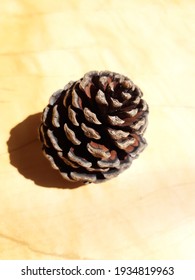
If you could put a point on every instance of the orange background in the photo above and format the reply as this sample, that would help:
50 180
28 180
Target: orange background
148 212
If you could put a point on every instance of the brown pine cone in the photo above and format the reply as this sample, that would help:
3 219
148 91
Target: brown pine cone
93 128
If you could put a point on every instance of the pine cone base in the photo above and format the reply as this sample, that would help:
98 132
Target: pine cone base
93 128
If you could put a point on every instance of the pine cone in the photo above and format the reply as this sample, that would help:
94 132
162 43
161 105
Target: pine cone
93 128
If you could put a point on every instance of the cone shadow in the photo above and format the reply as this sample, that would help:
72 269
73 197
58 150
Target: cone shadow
26 155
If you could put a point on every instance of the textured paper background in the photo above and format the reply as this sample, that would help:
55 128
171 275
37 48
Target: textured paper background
148 212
